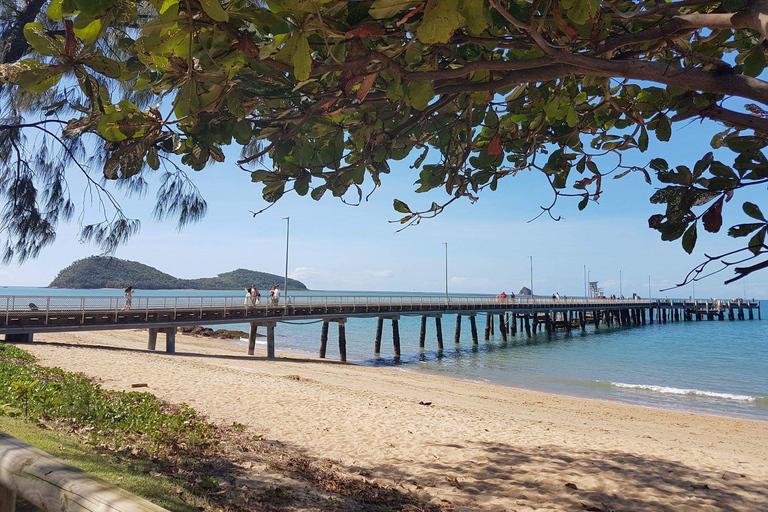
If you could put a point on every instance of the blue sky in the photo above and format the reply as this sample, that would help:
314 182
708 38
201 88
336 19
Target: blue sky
339 247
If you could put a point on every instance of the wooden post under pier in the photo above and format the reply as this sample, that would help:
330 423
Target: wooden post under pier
473 326
527 320
252 327
488 321
502 327
423 331
152 342
323 340
439 327
457 332
170 340
396 335
379 329
342 341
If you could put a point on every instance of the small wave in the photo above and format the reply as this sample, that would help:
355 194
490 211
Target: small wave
667 390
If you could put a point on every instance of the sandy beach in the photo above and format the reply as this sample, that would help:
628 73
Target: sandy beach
466 445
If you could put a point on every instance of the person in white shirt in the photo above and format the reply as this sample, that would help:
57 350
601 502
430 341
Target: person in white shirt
276 295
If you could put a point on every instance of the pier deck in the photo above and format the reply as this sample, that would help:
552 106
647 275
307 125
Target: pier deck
22 317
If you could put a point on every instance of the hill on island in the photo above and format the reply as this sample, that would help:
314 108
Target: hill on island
104 272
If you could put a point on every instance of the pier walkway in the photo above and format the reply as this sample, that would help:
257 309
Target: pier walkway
21 317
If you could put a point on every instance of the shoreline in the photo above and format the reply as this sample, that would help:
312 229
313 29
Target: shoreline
405 367
478 446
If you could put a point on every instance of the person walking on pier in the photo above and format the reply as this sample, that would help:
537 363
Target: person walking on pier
276 295
247 298
255 296
128 298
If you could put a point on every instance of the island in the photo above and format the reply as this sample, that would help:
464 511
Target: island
106 272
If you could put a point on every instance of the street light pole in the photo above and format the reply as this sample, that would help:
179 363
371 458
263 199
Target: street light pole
621 292
531 275
589 274
585 281
649 287
446 270
287 238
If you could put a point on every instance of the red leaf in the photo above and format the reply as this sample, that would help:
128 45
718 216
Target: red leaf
494 147
565 27
366 85
70 47
367 31
713 217
654 221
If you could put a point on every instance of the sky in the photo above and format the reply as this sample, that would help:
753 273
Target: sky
334 246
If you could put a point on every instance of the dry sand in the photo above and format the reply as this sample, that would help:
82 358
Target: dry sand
475 447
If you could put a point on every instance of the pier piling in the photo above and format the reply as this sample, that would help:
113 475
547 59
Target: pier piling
439 327
423 331
152 343
252 339
323 340
457 333
396 336
379 329
473 326
342 341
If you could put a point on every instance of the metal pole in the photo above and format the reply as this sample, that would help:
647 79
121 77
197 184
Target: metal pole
531 257
589 273
287 238
446 270
649 287
621 292
585 281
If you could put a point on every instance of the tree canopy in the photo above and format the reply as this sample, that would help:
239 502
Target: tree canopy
332 92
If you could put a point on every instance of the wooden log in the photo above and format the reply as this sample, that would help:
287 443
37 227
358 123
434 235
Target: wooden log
323 339
457 333
473 327
439 327
170 340
396 336
423 331
502 327
271 340
342 342
152 342
252 340
7 499
379 329
488 321
53 485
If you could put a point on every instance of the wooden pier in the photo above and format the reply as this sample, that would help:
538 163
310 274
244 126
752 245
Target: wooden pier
22 317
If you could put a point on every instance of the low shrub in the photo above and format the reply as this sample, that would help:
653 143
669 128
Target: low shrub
129 420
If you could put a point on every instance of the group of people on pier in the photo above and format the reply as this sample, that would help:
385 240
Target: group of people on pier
253 296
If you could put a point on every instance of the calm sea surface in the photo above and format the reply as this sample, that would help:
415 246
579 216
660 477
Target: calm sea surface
711 367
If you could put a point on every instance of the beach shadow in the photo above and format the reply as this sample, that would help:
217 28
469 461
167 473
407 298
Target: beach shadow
551 477
161 352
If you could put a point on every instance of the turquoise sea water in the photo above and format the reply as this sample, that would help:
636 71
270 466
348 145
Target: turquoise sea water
708 366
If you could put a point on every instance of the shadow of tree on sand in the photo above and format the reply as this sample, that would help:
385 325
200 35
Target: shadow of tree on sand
508 477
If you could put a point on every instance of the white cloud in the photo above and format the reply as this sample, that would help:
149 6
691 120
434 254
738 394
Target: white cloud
379 273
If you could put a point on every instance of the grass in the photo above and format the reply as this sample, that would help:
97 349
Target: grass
136 477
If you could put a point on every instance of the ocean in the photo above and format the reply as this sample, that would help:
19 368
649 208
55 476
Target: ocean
708 366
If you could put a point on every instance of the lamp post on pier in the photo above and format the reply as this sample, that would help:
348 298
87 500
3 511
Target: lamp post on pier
621 292
531 257
649 287
585 281
287 238
589 274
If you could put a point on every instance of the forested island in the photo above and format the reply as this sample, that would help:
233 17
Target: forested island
105 272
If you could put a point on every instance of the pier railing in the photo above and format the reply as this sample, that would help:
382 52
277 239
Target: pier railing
37 304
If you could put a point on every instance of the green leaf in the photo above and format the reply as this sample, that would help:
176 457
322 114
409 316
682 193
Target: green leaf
746 144
441 19
572 118
302 58
689 238
213 9
642 140
401 207
477 15
663 129
152 158
87 30
753 211
419 94
41 42
757 242
755 62
317 192
54 10
583 202
104 65
388 8
740 230
659 164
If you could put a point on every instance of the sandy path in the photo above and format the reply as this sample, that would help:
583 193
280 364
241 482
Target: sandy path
477 446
